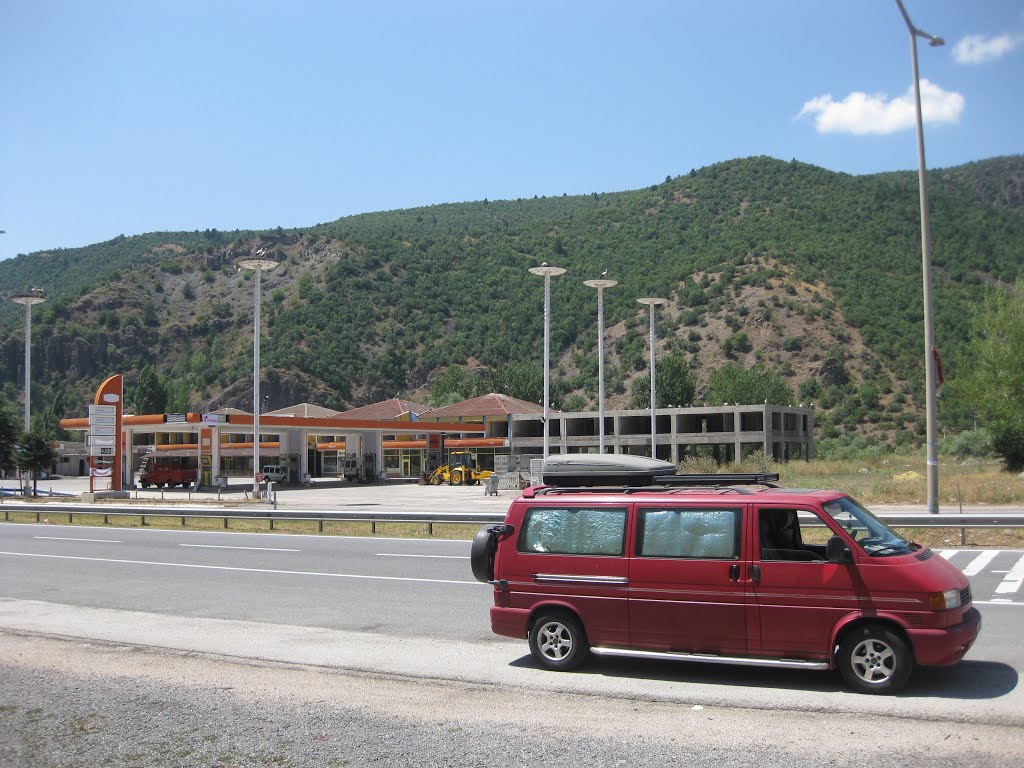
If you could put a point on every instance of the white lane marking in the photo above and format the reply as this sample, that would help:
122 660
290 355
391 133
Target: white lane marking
225 546
276 534
75 538
947 553
996 601
245 570
438 557
977 564
1013 579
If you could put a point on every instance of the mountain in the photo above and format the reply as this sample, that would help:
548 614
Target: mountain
814 274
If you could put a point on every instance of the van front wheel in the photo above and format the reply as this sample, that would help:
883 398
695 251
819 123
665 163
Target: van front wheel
875 659
558 642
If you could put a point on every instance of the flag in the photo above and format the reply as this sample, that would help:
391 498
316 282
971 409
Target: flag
938 371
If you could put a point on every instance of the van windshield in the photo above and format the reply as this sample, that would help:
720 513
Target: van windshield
870 533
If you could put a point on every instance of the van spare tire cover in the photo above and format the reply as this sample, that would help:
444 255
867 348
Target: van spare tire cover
481 555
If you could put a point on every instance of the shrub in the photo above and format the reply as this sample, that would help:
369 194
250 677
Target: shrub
698 465
972 444
792 344
757 461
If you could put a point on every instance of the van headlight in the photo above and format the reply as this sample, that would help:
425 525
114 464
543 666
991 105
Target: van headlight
943 601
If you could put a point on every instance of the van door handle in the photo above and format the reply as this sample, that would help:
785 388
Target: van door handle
755 574
734 573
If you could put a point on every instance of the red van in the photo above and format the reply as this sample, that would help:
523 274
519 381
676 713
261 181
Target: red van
722 569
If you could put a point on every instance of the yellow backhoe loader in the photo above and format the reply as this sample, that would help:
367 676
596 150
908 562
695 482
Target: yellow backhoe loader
461 469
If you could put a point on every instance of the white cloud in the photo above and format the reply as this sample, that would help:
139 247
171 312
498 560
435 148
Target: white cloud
976 49
863 113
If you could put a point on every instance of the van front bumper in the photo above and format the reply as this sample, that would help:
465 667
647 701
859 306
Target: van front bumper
943 647
509 622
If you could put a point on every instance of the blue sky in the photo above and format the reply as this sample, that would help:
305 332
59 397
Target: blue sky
124 117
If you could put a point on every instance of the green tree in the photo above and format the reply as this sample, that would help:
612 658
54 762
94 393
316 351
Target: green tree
640 392
33 454
8 437
47 421
675 384
993 379
178 396
732 383
150 391
457 383
149 315
737 342
524 381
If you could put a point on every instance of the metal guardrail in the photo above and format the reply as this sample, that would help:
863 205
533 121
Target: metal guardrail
256 512
271 514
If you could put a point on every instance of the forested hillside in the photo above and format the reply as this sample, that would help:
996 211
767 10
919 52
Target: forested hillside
813 276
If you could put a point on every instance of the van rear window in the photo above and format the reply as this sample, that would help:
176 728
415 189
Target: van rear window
711 534
574 531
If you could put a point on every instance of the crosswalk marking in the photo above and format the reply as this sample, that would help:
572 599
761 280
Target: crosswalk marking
1013 579
978 564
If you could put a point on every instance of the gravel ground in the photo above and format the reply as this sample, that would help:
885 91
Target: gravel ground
67 703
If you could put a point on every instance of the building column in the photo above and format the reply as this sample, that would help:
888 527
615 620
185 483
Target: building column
128 452
215 469
304 454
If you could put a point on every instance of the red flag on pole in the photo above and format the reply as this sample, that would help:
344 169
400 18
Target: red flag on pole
938 370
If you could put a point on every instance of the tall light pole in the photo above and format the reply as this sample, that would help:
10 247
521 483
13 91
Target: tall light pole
28 299
652 303
600 285
547 272
930 377
258 265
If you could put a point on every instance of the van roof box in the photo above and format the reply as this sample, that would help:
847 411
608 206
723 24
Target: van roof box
576 470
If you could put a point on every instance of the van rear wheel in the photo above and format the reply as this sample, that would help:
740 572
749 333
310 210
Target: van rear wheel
875 659
558 642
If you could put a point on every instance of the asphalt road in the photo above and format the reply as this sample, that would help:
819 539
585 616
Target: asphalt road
409 610
404 587
399 589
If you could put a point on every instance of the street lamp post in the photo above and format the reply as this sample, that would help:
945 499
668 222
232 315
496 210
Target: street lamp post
930 377
652 303
258 265
547 272
28 300
600 285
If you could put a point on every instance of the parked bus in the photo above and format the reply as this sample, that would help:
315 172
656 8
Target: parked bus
167 471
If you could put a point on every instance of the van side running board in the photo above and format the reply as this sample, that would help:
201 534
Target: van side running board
749 661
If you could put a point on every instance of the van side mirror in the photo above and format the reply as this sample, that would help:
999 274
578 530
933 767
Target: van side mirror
837 550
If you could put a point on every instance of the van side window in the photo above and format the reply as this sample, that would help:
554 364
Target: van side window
712 534
574 531
782 537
